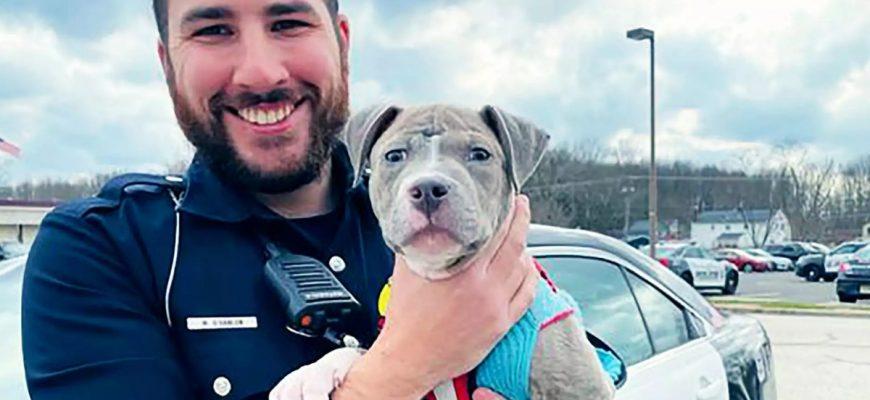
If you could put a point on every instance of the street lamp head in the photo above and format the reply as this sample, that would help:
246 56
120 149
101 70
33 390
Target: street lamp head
640 34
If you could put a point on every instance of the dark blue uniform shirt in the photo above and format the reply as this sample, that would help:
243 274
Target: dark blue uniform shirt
94 315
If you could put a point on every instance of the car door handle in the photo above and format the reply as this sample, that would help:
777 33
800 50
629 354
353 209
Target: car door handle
710 389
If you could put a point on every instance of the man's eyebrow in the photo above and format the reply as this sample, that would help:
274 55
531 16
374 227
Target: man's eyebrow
293 7
207 13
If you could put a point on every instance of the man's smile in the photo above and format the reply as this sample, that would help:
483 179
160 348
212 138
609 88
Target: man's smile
273 117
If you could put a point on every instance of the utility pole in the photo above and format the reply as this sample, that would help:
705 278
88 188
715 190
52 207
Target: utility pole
643 34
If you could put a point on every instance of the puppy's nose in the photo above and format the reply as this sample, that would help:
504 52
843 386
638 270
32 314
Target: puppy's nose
427 194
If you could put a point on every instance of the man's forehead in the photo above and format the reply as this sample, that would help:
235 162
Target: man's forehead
181 10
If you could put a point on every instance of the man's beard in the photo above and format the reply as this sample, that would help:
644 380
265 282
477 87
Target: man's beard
329 111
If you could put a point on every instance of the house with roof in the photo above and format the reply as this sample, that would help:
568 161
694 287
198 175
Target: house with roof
740 228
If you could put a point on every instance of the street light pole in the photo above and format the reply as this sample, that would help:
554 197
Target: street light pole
643 34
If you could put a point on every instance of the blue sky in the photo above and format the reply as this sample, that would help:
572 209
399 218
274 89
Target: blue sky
81 89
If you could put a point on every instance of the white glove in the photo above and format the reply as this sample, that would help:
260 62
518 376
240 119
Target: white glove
317 380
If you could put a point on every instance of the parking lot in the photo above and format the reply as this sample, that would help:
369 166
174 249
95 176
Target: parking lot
785 286
820 357
816 357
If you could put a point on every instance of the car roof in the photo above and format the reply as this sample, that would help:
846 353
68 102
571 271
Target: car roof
544 235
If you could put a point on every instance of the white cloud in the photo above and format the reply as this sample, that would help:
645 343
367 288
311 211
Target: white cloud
851 96
680 136
85 113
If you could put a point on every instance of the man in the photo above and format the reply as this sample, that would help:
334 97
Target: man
154 288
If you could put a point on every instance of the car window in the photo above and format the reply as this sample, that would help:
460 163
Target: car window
606 303
666 321
707 254
693 253
848 249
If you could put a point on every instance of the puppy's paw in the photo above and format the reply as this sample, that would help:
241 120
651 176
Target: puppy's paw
317 380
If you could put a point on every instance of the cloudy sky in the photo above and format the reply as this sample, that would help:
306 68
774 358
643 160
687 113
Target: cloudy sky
81 89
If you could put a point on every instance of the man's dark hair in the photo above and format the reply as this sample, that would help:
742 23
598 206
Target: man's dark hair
161 9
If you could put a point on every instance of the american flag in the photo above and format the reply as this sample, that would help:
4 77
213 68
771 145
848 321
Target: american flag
10 148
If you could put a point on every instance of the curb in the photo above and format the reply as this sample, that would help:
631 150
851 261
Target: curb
756 309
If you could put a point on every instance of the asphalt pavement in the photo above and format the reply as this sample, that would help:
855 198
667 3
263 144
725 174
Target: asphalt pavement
820 357
785 286
11 369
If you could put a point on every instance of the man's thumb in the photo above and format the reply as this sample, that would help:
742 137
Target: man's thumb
485 394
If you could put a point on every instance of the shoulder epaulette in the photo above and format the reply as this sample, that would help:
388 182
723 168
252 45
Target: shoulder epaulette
116 188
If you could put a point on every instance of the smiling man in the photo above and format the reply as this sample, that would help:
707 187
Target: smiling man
154 288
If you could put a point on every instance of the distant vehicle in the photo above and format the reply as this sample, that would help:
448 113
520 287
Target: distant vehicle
698 266
793 251
10 249
837 256
820 247
744 261
811 267
776 263
637 241
853 281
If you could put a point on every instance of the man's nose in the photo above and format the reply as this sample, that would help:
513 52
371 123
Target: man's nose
427 194
261 67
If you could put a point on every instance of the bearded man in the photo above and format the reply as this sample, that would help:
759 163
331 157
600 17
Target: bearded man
154 288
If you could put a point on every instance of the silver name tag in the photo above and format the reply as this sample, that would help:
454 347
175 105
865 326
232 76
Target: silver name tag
214 323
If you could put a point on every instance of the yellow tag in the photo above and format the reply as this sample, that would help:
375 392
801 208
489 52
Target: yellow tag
383 299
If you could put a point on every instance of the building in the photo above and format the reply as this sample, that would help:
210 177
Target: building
734 228
19 219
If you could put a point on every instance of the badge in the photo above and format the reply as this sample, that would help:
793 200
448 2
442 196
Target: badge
217 323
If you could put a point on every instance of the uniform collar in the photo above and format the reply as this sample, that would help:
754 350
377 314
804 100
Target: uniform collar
210 197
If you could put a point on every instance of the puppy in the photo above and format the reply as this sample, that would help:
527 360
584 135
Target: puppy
441 180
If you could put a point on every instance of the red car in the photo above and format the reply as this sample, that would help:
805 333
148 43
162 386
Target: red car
744 261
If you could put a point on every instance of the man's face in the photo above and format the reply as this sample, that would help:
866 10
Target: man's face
259 86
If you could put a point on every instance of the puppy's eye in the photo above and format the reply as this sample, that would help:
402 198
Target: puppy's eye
396 156
479 154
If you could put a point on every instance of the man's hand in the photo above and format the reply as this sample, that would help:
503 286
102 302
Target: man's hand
316 381
437 330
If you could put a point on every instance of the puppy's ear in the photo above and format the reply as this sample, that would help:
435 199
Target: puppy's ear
363 130
522 142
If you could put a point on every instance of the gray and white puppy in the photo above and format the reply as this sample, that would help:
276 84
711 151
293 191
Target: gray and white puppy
441 182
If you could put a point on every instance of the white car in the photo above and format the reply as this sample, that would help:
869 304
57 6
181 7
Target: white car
838 256
776 262
675 344
698 266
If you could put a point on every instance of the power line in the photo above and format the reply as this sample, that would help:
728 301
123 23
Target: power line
644 178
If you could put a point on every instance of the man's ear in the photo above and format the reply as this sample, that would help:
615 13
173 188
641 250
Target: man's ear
363 130
522 142
164 59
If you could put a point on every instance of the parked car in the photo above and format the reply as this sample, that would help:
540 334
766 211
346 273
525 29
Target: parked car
811 267
676 345
698 267
820 247
744 261
10 249
776 263
853 282
840 254
793 251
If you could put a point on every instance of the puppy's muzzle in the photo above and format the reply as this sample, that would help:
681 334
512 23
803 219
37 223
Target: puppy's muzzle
427 194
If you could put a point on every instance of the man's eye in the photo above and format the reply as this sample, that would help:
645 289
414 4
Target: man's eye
288 24
479 154
396 156
214 30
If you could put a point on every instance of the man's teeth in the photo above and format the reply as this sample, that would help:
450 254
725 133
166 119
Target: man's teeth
263 117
